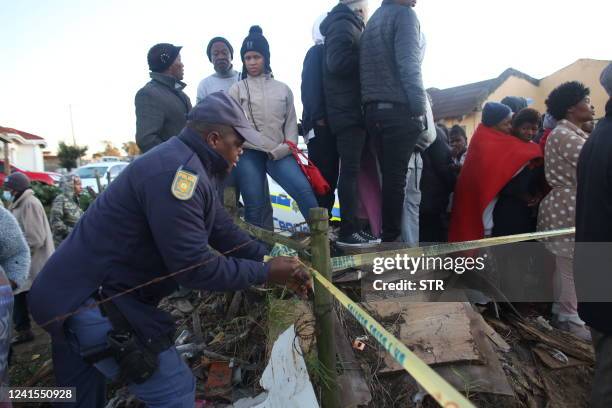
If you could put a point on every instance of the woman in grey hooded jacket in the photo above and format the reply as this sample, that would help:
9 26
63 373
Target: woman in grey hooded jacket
14 268
269 107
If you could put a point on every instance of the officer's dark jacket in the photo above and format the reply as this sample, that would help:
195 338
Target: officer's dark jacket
137 231
390 60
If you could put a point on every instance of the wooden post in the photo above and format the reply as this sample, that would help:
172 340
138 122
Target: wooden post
97 175
7 159
324 305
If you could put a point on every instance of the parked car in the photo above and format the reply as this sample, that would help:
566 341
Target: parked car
44 177
108 171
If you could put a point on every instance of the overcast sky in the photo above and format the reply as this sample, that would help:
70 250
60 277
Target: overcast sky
92 54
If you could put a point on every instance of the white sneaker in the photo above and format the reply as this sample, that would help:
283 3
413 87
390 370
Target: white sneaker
578 330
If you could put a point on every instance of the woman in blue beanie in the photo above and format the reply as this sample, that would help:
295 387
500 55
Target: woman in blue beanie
497 116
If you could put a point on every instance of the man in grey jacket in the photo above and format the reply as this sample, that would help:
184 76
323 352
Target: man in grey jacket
220 53
161 105
394 99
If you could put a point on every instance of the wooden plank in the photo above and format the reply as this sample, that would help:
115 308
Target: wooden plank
495 337
546 355
570 345
438 333
566 387
384 309
354 390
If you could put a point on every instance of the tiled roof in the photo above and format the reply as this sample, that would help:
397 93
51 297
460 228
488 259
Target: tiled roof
462 100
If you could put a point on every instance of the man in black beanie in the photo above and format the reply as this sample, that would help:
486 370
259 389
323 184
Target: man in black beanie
220 53
161 105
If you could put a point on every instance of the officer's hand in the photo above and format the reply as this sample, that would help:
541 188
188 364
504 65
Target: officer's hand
290 272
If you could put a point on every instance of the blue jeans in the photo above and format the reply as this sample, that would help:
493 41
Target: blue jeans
412 201
172 385
251 176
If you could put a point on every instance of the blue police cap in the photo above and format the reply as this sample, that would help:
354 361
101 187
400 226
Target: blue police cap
221 109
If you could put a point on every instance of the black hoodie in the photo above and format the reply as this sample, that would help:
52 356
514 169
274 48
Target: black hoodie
342 30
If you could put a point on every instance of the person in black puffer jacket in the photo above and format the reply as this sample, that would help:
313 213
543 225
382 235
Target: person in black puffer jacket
342 30
392 91
437 183
322 149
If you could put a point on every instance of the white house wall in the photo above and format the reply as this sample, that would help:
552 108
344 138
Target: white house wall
28 157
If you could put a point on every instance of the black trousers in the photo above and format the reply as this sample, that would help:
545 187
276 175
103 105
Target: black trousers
396 133
21 314
350 147
433 228
323 152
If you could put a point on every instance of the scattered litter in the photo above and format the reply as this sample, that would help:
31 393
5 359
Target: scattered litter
184 305
182 337
35 357
286 378
359 345
543 323
419 397
219 381
559 355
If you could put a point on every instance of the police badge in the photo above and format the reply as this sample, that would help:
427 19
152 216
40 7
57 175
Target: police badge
184 184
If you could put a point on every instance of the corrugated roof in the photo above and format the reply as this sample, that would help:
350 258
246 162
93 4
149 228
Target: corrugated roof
462 100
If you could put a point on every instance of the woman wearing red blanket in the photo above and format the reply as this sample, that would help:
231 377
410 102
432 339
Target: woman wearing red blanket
494 157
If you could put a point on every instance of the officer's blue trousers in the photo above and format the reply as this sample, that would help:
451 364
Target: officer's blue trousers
172 385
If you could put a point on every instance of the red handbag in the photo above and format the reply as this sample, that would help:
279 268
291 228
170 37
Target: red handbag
320 186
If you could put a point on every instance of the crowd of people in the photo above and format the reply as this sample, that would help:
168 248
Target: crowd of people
28 237
368 124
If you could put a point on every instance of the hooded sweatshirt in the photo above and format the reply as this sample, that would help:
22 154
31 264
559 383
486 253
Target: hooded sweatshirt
65 211
313 98
30 215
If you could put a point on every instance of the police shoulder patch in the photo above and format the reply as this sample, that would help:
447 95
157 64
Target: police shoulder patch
184 184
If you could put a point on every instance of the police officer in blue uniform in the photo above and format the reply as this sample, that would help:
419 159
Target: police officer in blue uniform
156 220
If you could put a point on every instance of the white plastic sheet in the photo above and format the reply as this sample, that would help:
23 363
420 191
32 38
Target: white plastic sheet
285 378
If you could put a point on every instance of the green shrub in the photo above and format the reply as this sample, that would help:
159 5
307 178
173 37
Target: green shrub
85 200
45 193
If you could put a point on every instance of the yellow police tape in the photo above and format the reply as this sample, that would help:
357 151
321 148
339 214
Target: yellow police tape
352 261
444 394
436 386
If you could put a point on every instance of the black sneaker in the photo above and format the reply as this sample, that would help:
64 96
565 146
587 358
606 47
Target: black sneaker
371 238
354 241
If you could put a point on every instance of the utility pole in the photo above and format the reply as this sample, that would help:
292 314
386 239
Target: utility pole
72 125
73 136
